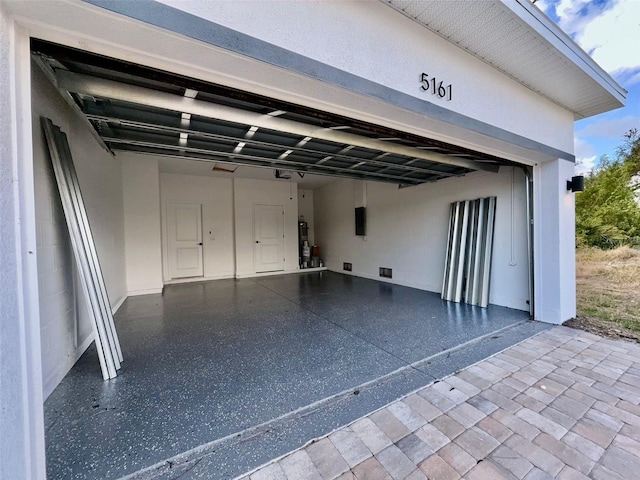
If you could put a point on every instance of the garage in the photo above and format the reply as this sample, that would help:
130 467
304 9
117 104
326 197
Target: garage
279 225
227 171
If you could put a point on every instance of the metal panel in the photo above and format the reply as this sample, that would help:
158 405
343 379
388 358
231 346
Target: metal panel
108 89
462 246
96 270
469 251
488 249
106 338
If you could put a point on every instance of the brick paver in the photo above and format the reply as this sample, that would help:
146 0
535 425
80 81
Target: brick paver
564 404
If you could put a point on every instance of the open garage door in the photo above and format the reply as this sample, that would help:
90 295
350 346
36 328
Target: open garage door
296 345
138 109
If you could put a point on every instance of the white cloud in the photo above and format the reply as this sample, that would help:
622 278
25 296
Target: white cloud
584 165
628 77
585 156
544 5
609 32
573 15
612 38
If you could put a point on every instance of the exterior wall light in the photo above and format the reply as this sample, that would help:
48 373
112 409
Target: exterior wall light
576 184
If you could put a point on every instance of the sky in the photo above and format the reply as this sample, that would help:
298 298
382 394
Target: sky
609 31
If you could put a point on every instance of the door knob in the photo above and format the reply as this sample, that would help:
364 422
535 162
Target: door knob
257 241
200 244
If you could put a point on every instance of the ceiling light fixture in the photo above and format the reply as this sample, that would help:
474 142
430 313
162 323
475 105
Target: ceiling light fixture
283 174
285 154
303 141
252 131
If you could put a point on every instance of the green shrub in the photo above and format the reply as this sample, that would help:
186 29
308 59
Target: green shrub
607 212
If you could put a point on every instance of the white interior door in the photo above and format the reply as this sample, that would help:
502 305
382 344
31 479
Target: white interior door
184 232
268 229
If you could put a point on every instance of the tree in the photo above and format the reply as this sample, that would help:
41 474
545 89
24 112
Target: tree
607 212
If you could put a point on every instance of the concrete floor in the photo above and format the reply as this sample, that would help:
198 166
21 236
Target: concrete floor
231 373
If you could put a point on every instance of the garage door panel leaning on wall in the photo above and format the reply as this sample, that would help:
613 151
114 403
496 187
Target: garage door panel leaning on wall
407 231
65 324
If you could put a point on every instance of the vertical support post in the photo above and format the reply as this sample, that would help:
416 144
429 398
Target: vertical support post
22 447
554 242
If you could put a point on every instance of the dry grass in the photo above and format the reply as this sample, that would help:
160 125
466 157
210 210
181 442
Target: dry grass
608 291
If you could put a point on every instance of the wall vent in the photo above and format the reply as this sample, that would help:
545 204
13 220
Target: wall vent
346 267
385 272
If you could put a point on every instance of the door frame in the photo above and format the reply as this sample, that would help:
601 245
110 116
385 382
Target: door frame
282 224
166 258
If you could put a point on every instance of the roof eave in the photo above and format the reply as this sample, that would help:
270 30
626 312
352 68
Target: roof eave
563 43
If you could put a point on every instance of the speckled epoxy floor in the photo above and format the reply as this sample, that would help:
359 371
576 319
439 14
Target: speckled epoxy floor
207 360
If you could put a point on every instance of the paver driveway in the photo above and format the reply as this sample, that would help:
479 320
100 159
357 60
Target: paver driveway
562 404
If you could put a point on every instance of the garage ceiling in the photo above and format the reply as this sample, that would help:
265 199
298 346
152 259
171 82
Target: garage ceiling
138 109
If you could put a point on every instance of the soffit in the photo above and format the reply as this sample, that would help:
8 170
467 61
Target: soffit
519 40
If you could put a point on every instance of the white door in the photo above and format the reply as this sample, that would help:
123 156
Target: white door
184 232
268 230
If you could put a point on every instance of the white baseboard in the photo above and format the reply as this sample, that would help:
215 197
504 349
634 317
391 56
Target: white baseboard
279 272
83 346
516 304
150 291
198 279
416 285
54 379
118 304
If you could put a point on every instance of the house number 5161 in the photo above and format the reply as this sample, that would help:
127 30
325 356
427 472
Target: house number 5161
435 86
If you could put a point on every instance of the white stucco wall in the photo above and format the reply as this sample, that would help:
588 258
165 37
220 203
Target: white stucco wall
65 324
373 41
554 242
407 231
143 251
21 415
338 37
216 197
227 221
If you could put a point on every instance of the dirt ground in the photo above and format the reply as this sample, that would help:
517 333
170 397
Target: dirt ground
608 292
